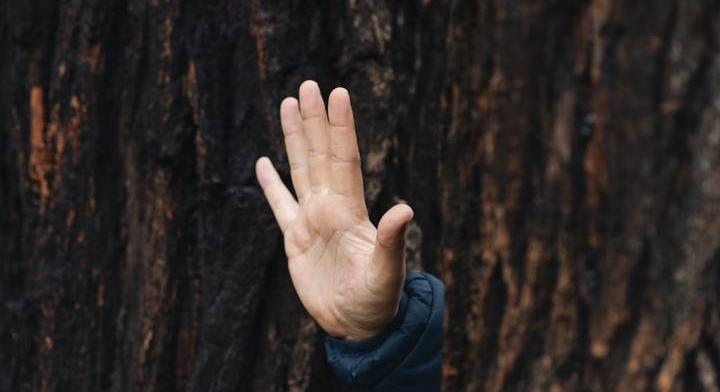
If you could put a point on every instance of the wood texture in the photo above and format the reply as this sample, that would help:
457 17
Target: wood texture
562 158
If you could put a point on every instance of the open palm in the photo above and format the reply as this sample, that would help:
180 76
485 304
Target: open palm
347 273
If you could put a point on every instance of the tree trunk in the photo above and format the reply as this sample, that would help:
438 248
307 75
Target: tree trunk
562 158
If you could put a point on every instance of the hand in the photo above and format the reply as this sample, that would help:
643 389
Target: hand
347 273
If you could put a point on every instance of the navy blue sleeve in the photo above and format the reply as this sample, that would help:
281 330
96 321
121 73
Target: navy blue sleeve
407 355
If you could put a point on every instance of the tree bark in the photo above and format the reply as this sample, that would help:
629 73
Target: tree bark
562 158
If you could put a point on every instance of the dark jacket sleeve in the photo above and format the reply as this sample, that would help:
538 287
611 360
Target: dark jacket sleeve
407 355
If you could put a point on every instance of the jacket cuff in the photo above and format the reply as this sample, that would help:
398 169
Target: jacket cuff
406 353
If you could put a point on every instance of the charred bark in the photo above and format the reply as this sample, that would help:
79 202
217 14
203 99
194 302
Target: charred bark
562 157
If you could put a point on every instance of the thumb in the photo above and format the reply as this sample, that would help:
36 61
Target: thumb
387 267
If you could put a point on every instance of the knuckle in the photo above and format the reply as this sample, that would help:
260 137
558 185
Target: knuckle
313 116
319 189
316 153
296 166
339 158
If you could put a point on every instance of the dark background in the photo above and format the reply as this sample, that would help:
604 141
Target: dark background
562 158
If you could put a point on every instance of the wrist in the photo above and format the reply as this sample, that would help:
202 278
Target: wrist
413 340
358 332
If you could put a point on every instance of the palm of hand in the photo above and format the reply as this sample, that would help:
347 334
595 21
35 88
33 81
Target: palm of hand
328 252
347 273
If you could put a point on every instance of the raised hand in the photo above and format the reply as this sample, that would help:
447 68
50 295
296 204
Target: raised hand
347 273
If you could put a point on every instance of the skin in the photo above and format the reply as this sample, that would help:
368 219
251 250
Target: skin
347 272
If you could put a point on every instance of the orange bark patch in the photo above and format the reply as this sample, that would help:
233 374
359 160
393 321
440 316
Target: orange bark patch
600 11
39 158
682 341
101 293
37 116
73 126
167 41
256 30
596 166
